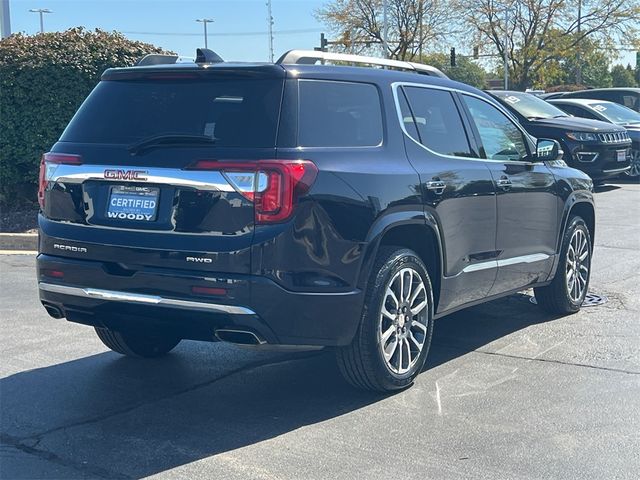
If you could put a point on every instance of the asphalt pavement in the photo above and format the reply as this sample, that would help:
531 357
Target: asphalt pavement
509 393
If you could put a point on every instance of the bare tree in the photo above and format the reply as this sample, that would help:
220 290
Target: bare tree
539 31
412 25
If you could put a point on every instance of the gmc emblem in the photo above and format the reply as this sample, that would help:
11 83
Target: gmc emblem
131 175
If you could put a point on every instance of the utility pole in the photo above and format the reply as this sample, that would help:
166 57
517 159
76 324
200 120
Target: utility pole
385 29
270 21
204 21
421 7
506 48
578 56
5 19
41 11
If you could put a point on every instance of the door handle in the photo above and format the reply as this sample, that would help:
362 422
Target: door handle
504 182
437 186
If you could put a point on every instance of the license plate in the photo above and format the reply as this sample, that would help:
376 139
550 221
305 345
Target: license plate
133 203
622 155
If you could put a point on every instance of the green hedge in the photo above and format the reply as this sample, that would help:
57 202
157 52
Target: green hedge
43 80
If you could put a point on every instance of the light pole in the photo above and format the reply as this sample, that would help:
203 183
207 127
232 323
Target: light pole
578 56
5 19
385 27
204 21
270 25
41 11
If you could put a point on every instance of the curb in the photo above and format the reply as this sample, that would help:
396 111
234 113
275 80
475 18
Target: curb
18 241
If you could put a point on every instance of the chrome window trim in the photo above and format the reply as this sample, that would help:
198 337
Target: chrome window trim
127 297
500 108
211 180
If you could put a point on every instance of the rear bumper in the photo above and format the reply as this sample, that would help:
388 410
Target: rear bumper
92 293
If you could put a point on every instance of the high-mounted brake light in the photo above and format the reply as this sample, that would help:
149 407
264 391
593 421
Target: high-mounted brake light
48 164
274 186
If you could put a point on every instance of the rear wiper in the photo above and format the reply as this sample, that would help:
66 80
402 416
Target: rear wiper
169 139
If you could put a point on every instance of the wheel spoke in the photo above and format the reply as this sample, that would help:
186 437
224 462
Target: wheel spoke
410 285
391 293
584 255
390 349
417 292
385 336
400 356
409 357
402 286
387 313
418 308
415 342
419 325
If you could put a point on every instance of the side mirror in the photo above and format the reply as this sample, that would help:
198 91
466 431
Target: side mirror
548 150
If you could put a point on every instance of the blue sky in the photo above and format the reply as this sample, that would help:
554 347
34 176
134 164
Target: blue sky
178 17
171 23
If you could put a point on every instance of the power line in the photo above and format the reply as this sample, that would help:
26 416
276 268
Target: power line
227 34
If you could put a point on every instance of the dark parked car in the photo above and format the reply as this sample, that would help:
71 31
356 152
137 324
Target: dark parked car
302 205
600 149
629 97
608 112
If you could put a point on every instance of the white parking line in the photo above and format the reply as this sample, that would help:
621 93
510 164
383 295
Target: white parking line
18 252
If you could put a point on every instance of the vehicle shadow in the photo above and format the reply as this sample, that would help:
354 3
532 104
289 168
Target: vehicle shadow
606 187
111 416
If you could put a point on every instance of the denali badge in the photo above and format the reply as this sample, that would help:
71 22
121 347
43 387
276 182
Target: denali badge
70 248
117 174
199 259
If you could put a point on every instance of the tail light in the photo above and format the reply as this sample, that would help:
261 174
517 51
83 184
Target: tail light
274 186
48 165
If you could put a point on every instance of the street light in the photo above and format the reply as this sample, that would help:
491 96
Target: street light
40 11
204 21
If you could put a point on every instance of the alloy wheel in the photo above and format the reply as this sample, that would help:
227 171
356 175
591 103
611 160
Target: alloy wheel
634 171
577 266
402 326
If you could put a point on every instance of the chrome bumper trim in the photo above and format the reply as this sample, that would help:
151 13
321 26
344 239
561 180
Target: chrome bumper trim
618 170
143 299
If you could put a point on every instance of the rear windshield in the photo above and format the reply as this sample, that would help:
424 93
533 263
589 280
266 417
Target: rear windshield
235 112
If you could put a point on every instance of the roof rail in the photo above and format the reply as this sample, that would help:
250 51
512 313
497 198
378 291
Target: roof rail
310 57
156 59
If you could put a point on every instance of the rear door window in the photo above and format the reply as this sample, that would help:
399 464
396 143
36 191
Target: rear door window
437 121
339 114
233 111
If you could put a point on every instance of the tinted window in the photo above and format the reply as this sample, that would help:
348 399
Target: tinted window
501 139
233 111
437 121
339 114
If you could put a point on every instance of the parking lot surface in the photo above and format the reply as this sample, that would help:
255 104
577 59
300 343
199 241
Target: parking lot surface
509 393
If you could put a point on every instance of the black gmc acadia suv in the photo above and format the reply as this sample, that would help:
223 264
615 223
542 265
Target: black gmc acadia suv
302 205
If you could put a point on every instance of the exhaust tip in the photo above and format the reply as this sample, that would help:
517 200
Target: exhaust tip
53 311
239 337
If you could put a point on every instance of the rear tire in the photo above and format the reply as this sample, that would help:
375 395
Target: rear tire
137 344
392 342
570 285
